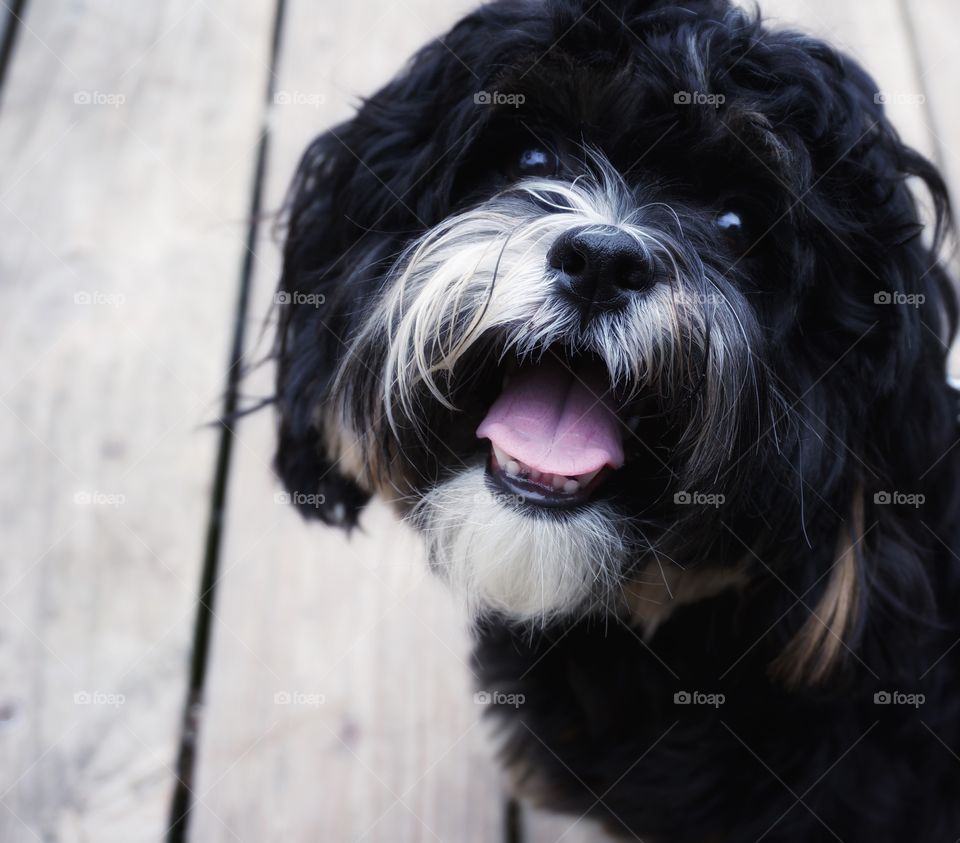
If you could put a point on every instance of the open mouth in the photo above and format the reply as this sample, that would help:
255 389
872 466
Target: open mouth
556 432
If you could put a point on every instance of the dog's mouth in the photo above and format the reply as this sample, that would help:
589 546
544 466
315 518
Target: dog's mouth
556 432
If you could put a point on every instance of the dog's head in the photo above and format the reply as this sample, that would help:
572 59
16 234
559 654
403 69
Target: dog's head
604 292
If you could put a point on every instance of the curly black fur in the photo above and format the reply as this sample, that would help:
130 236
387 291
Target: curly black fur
851 404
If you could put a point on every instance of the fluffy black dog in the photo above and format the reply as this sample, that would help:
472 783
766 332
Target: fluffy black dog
628 306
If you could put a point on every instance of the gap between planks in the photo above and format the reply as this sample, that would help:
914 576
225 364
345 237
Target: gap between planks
182 800
11 18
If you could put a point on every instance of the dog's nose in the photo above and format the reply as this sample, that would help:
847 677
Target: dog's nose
600 268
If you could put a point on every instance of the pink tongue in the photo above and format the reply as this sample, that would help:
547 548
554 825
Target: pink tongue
556 422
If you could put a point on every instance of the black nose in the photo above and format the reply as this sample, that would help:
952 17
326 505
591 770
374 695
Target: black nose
601 269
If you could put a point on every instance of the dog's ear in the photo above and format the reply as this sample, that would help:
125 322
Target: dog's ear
867 250
315 484
312 323
865 353
905 220
362 190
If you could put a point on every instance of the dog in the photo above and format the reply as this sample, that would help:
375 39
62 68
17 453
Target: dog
637 310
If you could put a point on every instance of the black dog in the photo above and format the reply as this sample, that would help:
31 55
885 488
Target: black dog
629 307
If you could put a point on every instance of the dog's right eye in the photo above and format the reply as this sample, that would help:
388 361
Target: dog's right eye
730 221
535 161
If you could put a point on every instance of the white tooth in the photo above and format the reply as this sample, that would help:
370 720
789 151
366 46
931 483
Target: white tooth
571 486
535 475
587 479
512 468
500 456
559 481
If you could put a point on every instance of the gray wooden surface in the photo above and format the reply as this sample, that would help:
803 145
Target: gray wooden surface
123 189
337 700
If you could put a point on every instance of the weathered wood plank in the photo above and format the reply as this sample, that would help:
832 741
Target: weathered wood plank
124 180
339 705
934 24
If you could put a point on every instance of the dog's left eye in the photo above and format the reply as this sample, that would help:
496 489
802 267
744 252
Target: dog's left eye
536 161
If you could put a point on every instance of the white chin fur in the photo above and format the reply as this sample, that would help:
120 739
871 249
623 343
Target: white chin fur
522 565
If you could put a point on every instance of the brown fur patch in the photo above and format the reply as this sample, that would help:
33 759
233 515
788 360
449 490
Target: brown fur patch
652 600
343 446
818 648
361 459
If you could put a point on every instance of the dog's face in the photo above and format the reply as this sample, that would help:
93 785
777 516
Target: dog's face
599 288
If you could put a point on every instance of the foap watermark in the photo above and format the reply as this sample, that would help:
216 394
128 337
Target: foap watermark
93 497
899 98
498 98
898 698
499 698
313 100
499 498
98 98
307 699
692 498
296 297
98 698
699 98
699 698
98 297
909 299
300 499
683 297
915 500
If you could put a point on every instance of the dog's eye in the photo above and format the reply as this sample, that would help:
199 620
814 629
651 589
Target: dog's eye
536 161
730 221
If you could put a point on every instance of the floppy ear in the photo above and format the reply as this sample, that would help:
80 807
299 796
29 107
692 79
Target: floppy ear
869 361
361 192
871 268
311 330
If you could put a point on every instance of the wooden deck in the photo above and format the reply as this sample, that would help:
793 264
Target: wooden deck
324 694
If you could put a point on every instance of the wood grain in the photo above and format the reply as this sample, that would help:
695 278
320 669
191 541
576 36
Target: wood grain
126 155
339 704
